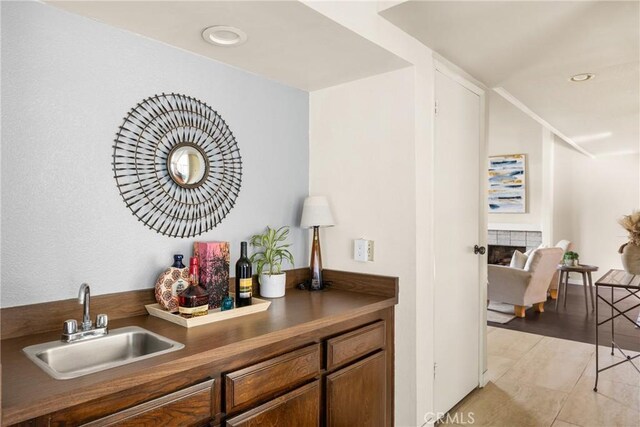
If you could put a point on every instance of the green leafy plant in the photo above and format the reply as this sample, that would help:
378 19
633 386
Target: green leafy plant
271 250
631 223
571 255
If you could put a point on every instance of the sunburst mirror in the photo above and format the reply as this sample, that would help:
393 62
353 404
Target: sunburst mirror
177 165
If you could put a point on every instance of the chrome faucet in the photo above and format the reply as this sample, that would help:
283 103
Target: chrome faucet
70 331
84 297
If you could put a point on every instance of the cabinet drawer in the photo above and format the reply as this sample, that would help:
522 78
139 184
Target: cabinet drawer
191 406
300 407
348 347
262 380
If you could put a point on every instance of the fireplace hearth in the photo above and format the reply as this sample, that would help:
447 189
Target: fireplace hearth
501 254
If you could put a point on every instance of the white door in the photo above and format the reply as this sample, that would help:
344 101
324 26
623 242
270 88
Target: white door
456 230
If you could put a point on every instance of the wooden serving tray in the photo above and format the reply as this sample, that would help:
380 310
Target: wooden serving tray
215 315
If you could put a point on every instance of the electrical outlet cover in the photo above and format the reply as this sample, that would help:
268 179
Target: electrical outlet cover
360 250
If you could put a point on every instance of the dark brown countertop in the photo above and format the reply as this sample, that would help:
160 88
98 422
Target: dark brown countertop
28 392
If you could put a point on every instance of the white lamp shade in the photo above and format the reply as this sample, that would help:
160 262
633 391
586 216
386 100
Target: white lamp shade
316 212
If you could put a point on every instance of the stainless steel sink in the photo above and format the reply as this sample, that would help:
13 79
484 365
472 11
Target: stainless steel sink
120 347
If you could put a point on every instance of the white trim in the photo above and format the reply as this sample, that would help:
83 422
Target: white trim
516 102
483 237
439 66
513 227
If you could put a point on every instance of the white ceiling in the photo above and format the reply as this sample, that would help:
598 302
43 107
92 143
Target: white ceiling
287 41
531 48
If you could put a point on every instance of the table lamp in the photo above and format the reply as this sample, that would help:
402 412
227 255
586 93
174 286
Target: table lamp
316 213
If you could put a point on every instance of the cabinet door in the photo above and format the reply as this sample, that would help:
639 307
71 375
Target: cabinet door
300 407
356 395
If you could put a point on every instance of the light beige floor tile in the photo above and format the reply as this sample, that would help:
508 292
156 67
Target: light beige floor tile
512 405
491 329
624 373
542 381
625 394
553 363
497 366
558 423
542 404
558 346
511 344
587 408
485 405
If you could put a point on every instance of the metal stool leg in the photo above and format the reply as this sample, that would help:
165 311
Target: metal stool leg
595 387
612 322
593 301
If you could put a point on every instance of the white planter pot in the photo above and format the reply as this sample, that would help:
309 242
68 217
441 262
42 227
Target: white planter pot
272 285
630 258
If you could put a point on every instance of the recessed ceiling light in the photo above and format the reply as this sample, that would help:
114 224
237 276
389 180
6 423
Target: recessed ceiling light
224 35
582 77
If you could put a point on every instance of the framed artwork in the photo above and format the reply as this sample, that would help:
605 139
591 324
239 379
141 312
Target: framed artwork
507 183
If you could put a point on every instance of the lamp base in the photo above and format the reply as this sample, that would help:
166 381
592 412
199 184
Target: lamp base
307 285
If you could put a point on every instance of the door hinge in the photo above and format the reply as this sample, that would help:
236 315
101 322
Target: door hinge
435 109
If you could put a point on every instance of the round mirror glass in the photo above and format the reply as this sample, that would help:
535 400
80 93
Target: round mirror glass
187 166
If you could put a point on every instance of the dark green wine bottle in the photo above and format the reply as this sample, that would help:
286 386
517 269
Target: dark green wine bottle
243 278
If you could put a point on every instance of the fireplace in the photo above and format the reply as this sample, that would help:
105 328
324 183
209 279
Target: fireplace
501 254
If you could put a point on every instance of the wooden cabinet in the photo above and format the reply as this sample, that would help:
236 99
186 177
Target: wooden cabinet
348 347
356 394
300 407
354 379
335 375
191 406
258 382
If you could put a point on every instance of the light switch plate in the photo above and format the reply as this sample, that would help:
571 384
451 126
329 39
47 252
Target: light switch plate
363 250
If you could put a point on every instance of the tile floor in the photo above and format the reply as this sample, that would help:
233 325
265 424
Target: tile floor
544 381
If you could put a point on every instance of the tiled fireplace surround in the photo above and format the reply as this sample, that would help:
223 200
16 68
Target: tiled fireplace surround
529 239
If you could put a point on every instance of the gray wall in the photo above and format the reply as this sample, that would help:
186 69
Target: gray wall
67 83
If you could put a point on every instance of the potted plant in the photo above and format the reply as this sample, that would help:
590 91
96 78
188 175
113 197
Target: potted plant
631 250
271 252
571 258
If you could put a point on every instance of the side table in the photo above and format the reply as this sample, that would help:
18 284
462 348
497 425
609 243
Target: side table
563 280
616 279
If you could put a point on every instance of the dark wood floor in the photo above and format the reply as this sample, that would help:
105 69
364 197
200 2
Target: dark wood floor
573 323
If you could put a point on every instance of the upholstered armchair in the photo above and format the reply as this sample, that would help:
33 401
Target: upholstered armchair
528 286
566 246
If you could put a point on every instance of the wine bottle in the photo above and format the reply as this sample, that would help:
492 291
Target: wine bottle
194 300
243 278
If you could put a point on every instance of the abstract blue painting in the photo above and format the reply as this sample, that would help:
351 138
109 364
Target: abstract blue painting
507 184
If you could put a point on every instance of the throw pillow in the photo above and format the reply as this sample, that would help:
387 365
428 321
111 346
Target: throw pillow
530 253
518 260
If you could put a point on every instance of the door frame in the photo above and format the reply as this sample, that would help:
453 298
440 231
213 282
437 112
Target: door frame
483 214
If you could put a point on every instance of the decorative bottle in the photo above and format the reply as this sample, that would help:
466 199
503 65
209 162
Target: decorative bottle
244 281
170 283
194 300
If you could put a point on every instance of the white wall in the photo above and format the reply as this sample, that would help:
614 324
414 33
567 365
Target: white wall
590 196
414 319
513 132
67 83
361 150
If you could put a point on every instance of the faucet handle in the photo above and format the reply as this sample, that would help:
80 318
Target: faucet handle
70 327
102 320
